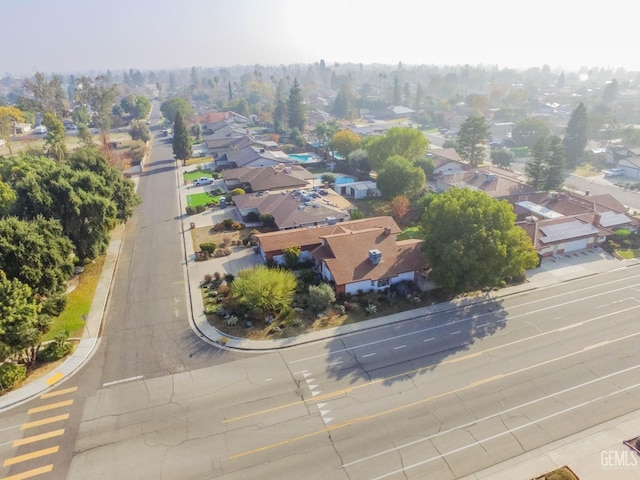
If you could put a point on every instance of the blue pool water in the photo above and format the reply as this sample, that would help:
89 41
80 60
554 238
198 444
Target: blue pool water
303 157
340 178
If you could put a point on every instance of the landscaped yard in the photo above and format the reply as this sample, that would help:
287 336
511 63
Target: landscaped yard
203 199
198 160
195 174
410 232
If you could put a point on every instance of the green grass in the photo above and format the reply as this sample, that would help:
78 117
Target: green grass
78 302
629 254
202 199
410 232
195 174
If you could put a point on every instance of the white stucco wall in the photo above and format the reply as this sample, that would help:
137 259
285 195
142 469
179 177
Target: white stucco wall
366 286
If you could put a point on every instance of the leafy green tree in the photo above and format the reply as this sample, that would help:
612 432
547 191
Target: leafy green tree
576 136
426 164
324 131
55 139
535 168
295 108
21 324
472 242
181 141
399 176
139 131
137 106
610 92
473 133
48 95
356 214
172 106
85 136
359 160
269 289
343 106
7 197
345 141
546 169
320 297
502 157
406 142
328 178
37 253
528 131
80 115
239 105
9 115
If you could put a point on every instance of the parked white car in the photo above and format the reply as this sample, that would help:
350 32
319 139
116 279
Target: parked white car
613 172
40 129
203 181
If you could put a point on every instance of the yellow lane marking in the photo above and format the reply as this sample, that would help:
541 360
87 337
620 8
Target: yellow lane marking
428 399
56 378
51 406
30 473
45 421
58 392
37 438
337 393
30 456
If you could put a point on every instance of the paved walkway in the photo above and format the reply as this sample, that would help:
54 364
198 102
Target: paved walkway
596 453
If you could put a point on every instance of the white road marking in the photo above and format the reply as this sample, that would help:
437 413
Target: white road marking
399 347
429 339
368 355
456 332
267 379
335 363
130 379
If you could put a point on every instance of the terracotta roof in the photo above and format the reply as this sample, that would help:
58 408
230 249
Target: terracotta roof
349 261
494 182
536 234
306 237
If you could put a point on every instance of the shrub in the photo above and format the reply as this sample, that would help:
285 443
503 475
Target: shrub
208 278
307 275
320 297
57 348
221 252
227 241
253 217
371 308
237 191
229 277
208 247
228 223
10 374
200 208
191 210
232 320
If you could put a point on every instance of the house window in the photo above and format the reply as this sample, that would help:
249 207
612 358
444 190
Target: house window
383 282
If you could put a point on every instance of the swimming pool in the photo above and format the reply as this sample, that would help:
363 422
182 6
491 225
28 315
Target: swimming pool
340 178
304 157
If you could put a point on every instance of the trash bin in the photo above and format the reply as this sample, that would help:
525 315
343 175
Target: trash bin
193 225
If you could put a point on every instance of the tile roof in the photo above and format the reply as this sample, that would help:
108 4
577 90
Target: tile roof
270 178
305 237
494 182
349 261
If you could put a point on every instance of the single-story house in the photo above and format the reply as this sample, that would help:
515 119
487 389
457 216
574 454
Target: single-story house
218 146
252 156
258 179
290 210
22 127
501 131
562 222
631 167
495 182
354 255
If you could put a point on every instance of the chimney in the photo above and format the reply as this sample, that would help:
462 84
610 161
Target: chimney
596 219
387 230
375 256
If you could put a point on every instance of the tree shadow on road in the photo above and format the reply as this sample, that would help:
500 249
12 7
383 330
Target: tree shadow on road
412 347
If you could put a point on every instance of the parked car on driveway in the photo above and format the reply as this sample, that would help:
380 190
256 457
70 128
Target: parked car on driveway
203 181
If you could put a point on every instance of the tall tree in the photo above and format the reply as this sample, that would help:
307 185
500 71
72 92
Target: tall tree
345 141
472 242
343 105
136 106
576 137
546 169
280 116
55 140
406 142
47 94
474 132
181 140
528 131
400 176
173 105
100 95
535 168
295 108
8 117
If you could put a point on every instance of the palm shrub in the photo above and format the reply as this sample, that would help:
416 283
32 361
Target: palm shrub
270 289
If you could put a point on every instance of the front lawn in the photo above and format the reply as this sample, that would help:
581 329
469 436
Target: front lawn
78 302
204 199
629 254
197 160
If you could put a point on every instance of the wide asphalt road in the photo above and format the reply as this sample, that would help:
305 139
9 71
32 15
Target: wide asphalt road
146 331
438 397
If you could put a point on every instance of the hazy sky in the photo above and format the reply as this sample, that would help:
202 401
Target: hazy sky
66 36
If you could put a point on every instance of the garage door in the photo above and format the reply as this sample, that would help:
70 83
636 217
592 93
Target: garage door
575 245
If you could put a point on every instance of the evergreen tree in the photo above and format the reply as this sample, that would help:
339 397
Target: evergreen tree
296 107
546 170
343 104
280 116
576 138
534 168
555 164
396 91
181 140
473 133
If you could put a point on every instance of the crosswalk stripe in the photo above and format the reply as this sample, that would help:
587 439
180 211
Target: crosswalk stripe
51 406
45 421
30 473
58 392
37 438
30 456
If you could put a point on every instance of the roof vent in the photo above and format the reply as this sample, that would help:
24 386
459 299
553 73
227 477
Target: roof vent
375 256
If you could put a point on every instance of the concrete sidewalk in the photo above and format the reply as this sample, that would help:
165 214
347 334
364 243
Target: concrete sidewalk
581 452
